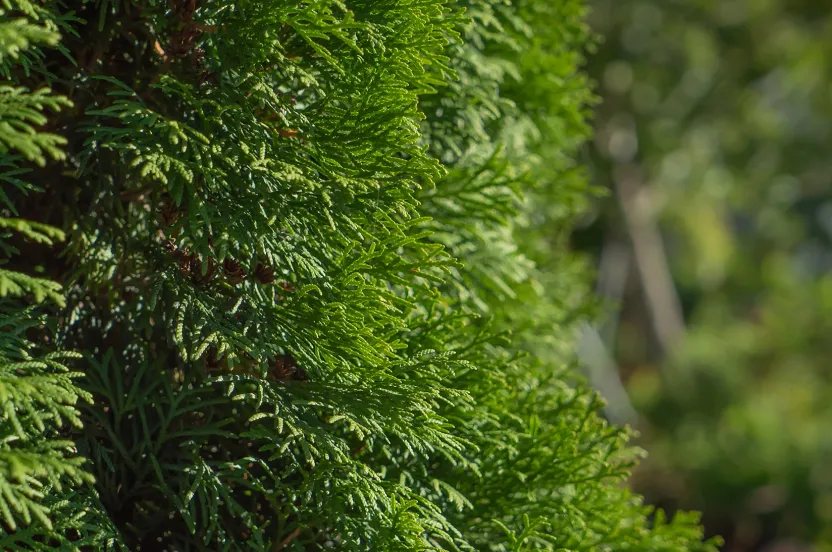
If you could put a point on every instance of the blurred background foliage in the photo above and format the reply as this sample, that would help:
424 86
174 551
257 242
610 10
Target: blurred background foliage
714 247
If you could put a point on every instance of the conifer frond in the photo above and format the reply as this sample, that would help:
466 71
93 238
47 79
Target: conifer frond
39 397
20 111
16 284
35 231
17 35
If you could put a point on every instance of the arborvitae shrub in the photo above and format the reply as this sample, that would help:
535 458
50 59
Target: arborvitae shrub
313 282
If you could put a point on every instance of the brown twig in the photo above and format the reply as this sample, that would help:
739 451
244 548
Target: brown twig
135 195
204 28
650 257
158 48
292 536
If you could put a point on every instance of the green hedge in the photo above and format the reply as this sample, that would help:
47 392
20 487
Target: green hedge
314 263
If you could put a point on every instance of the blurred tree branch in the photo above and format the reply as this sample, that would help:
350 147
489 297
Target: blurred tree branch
650 258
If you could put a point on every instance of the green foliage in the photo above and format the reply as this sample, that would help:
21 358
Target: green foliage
309 266
39 396
723 109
